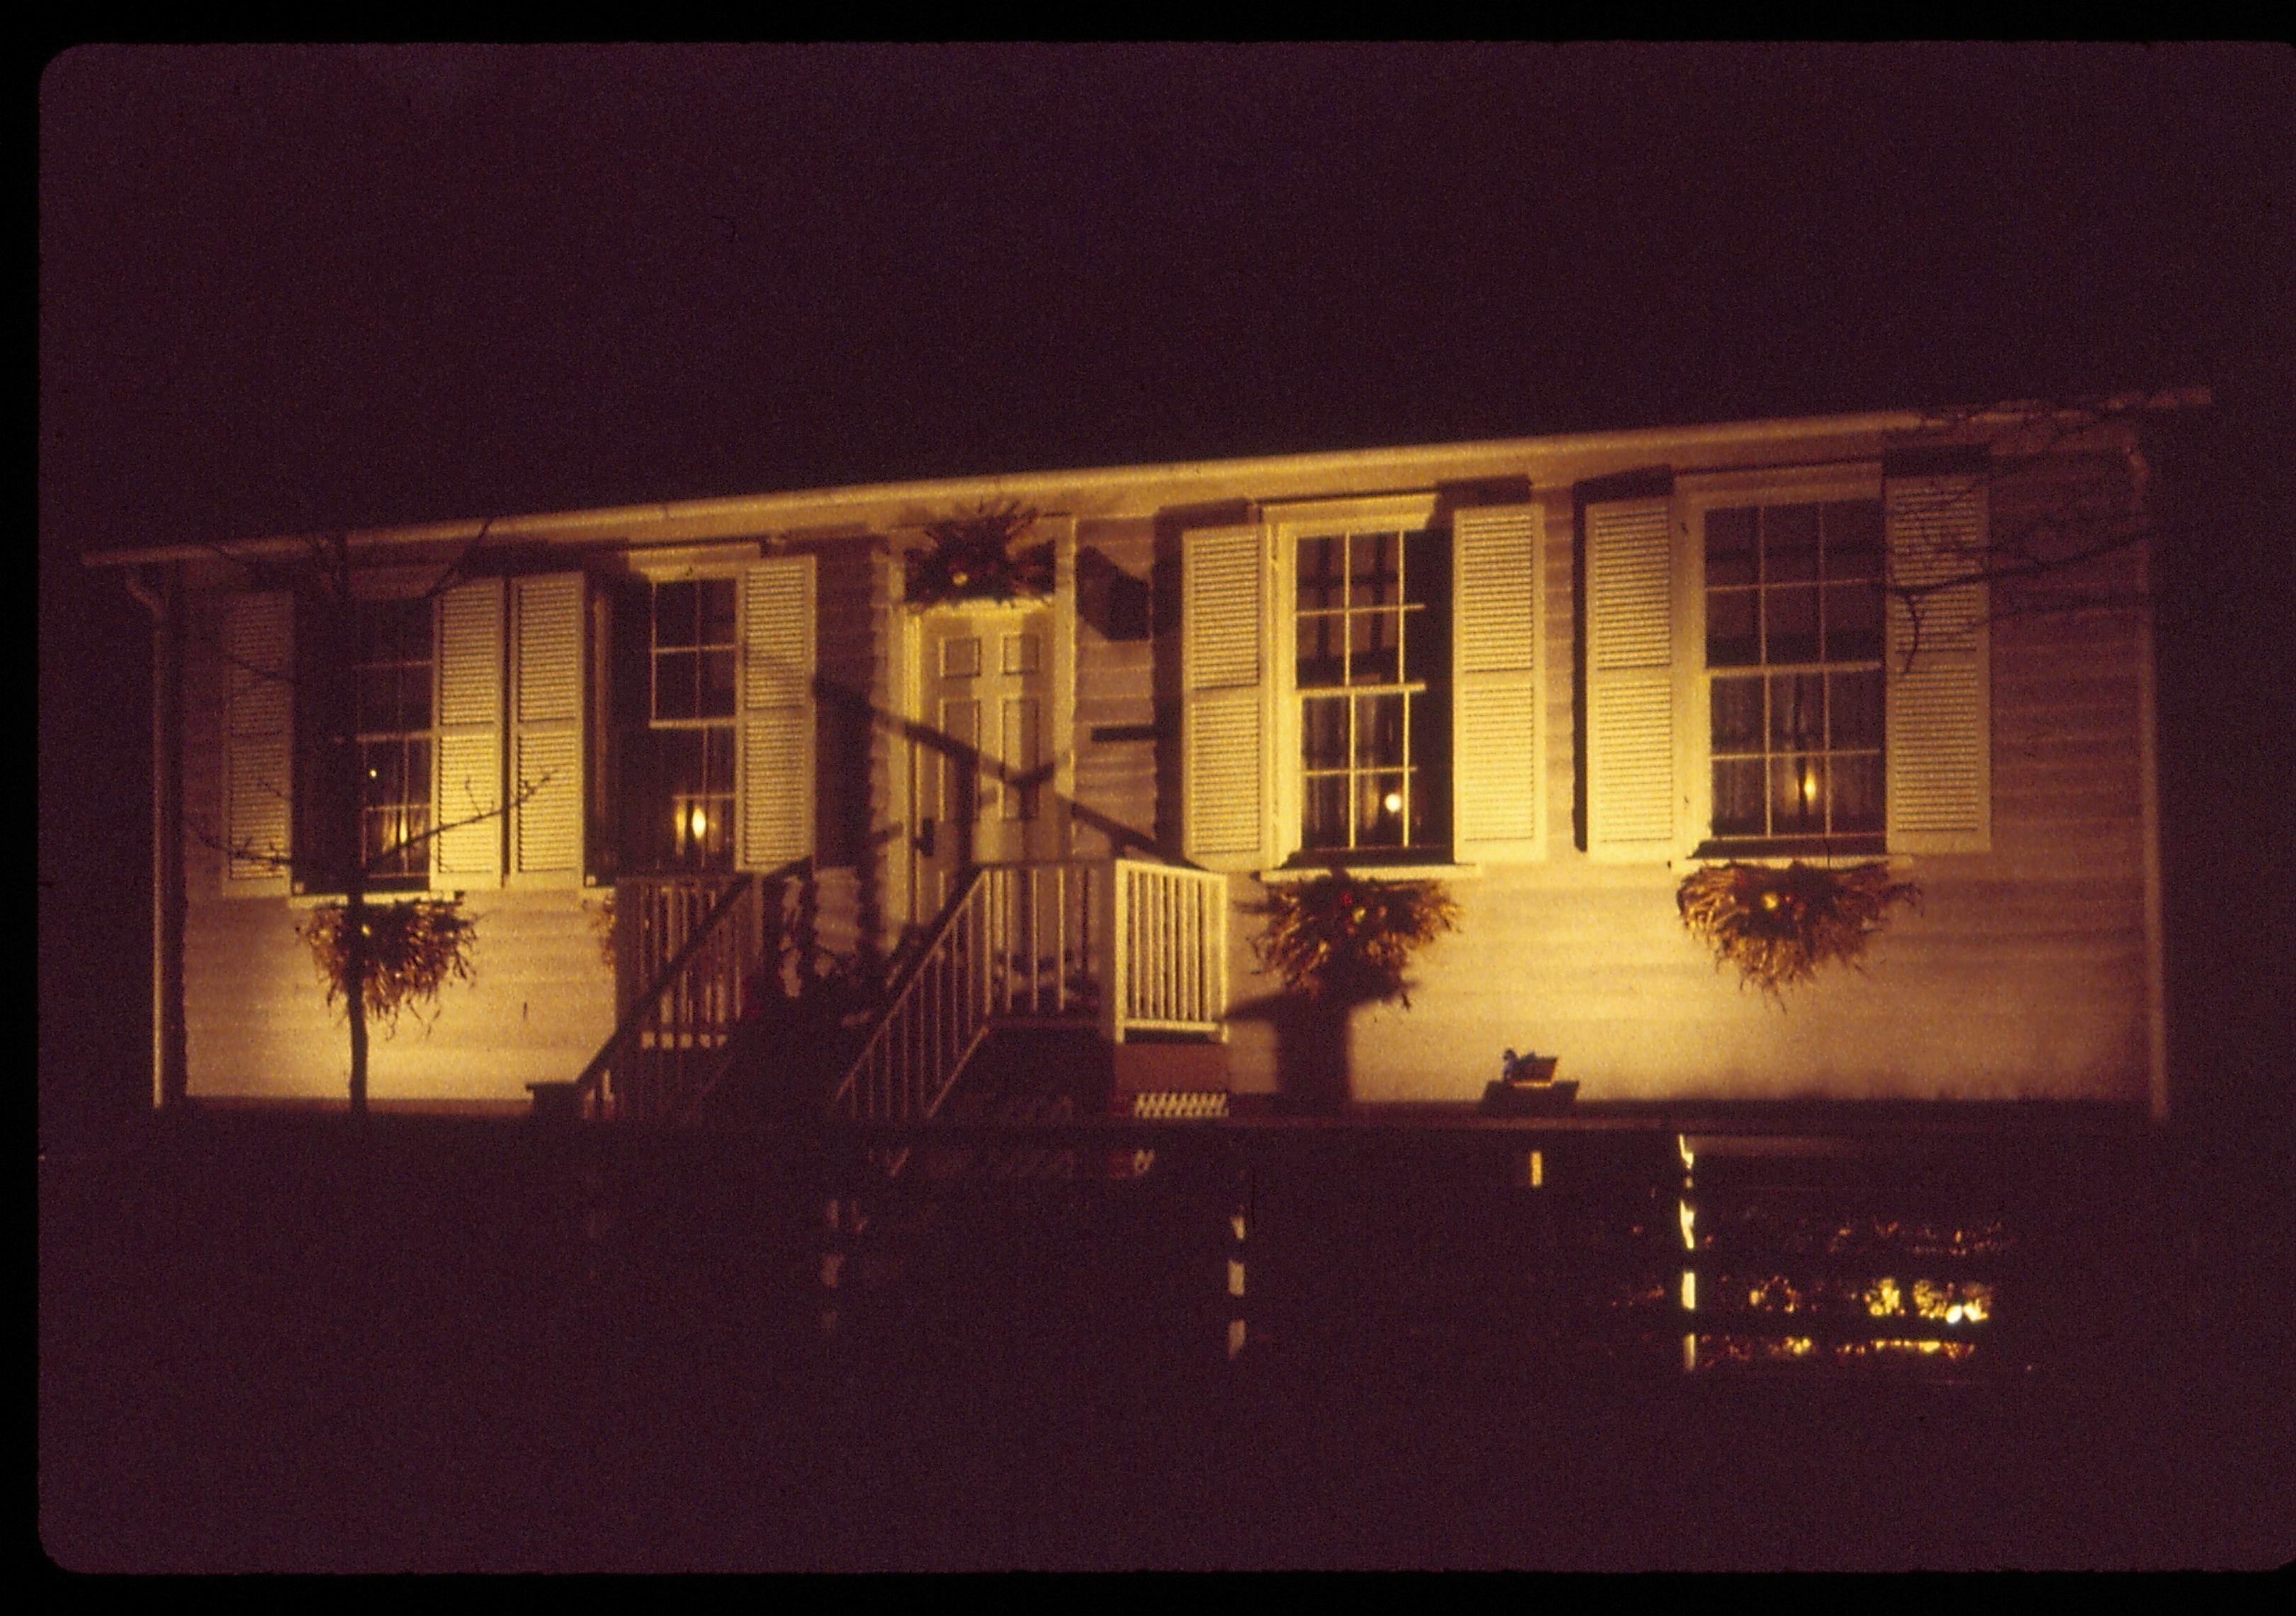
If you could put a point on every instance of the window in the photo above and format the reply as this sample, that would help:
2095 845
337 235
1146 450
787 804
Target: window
364 689
433 739
1752 688
713 694
1370 675
1362 681
690 724
1793 672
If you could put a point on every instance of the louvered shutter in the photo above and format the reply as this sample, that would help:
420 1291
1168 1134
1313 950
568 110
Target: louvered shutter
258 640
1224 676
775 761
467 794
1630 680
1498 599
1939 699
546 845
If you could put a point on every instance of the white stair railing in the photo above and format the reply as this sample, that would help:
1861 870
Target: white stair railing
935 1020
1121 944
1168 950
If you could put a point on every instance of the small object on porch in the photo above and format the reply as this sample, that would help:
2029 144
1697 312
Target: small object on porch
1528 1069
1526 1088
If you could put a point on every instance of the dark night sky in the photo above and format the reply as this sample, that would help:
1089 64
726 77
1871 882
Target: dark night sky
293 289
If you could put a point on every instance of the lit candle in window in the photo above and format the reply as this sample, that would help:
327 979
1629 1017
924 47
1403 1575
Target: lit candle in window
1808 784
698 821
1392 802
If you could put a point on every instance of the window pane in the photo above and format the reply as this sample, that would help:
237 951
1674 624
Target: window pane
717 760
677 614
675 674
716 695
1853 622
1789 542
414 696
1791 619
1326 823
1738 797
717 608
383 765
1797 796
1855 700
1737 707
1382 801
678 761
1373 651
1318 566
1378 730
1320 651
1375 568
1857 783
1730 637
1426 568
1730 545
1853 539
1323 733
1797 712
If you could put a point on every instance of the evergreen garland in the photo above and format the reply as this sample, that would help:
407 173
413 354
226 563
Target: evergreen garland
1778 926
973 558
1341 935
413 948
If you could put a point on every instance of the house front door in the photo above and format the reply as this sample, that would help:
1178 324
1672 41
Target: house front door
980 782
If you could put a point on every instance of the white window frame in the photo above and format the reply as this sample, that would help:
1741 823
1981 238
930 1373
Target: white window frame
1694 496
1242 704
1291 523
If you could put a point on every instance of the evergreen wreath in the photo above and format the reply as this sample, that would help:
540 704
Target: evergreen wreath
974 557
413 948
1778 926
1341 935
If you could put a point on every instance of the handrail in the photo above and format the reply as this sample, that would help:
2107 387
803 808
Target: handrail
963 1037
586 1085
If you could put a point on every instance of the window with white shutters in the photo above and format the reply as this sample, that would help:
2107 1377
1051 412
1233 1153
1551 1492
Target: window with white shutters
720 769
433 741
1787 663
1362 683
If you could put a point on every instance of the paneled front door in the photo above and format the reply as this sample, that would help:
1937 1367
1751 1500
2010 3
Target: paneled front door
980 780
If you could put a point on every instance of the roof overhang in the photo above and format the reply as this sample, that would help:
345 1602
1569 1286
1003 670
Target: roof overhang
1135 491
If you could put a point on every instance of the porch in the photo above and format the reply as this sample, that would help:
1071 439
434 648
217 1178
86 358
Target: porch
718 978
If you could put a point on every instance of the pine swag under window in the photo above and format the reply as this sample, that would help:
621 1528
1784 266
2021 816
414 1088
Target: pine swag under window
973 558
414 949
1351 939
1778 926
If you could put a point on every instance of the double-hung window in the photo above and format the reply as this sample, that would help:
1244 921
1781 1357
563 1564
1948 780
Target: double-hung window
1793 674
1372 678
364 703
690 739
390 677
1361 684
